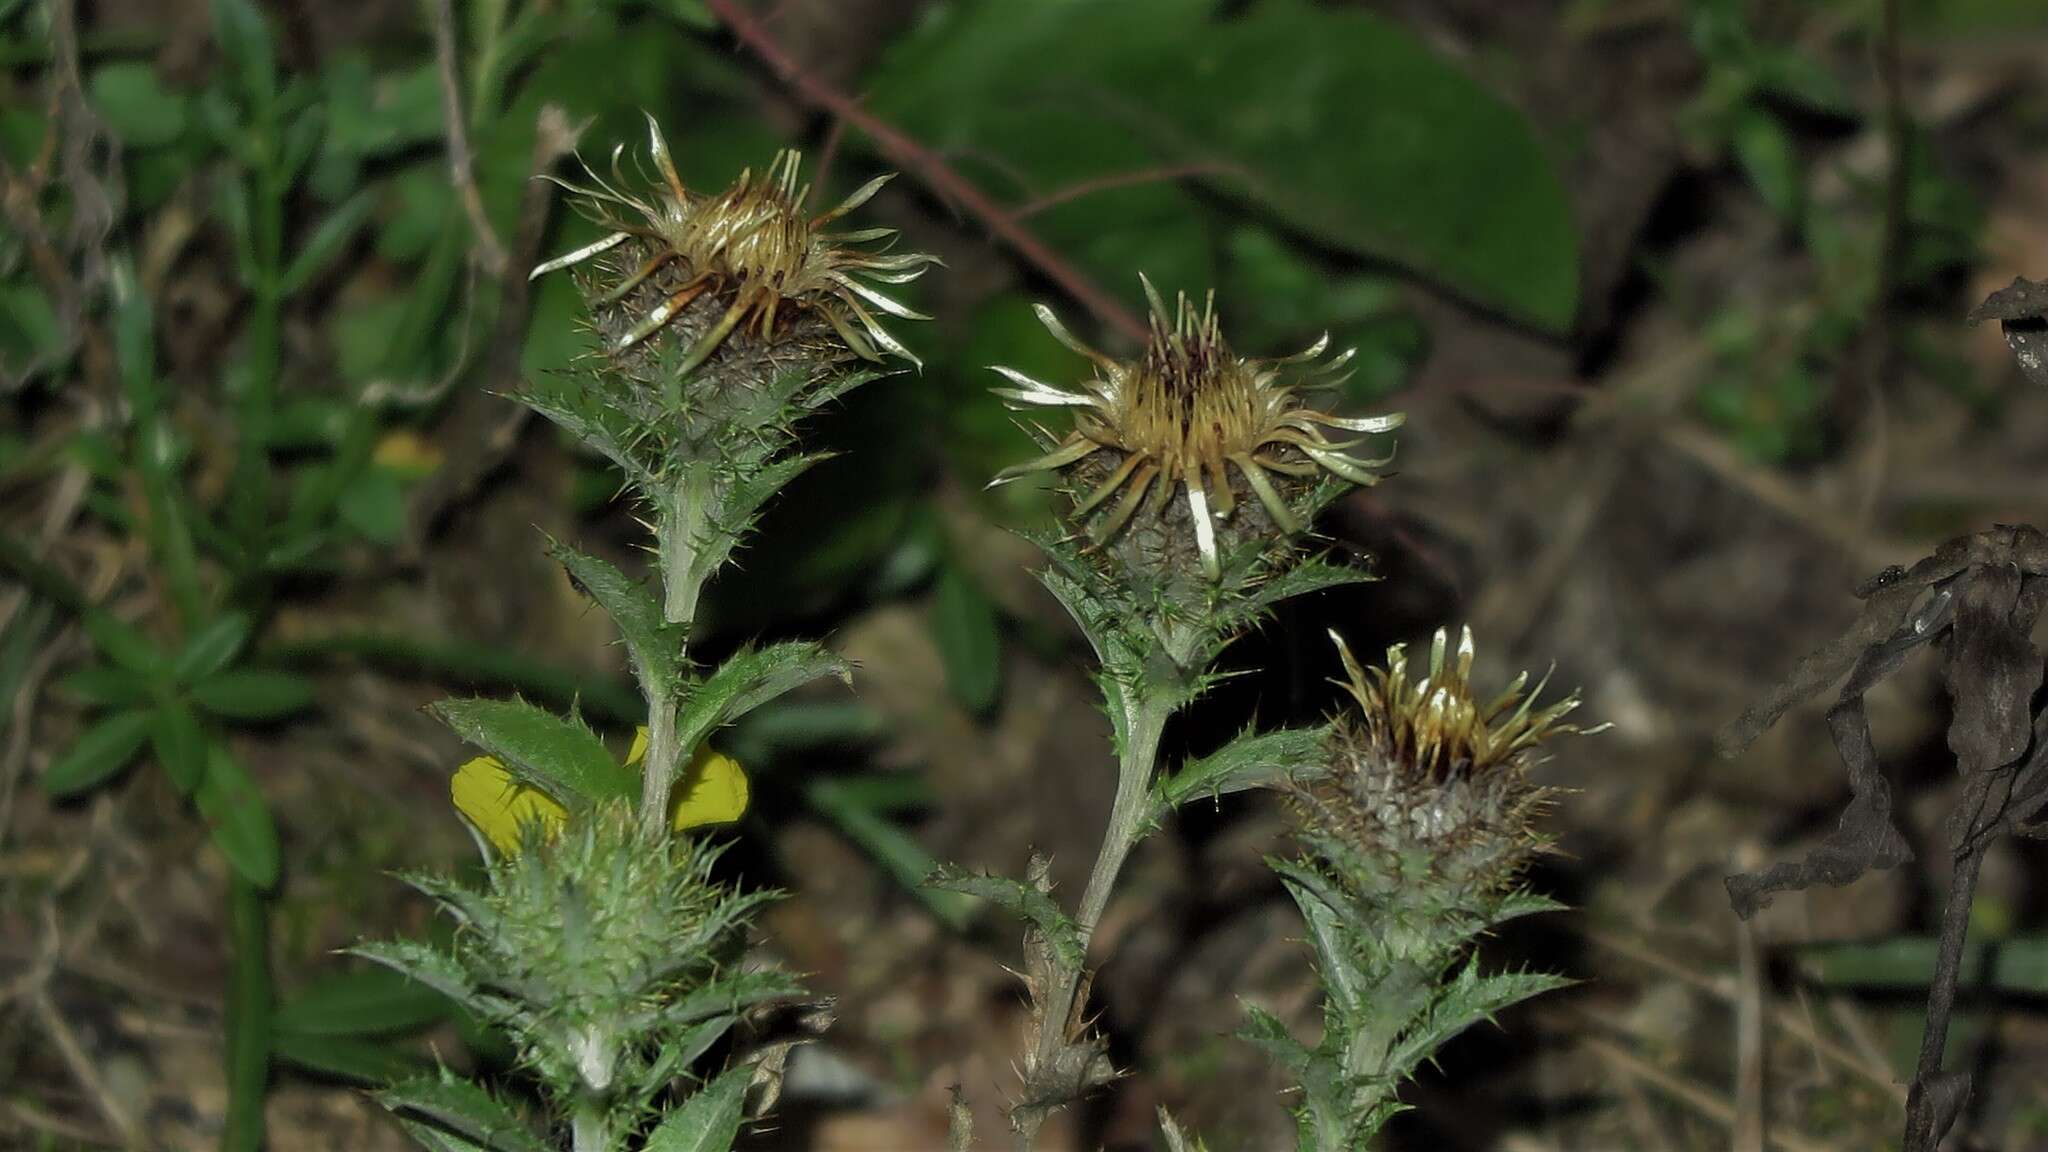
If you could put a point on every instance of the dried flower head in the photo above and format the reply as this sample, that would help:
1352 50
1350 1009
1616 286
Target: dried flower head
750 248
1424 764
1191 416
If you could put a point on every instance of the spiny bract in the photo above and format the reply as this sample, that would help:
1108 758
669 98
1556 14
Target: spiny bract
751 242
1183 413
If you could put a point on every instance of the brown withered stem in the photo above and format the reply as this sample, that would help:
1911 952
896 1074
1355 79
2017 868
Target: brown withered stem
1975 601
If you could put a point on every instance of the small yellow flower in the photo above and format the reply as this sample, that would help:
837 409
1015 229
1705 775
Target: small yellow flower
714 792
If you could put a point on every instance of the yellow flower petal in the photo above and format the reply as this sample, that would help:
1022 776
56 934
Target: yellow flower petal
407 453
639 750
498 806
714 790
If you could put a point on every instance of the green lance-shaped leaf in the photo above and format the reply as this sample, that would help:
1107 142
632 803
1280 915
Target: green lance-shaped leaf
211 647
104 686
180 744
1252 760
327 241
1466 1001
750 678
104 749
243 36
965 628
708 1121
655 646
238 818
122 643
369 1062
463 1109
253 693
370 1001
136 106
1024 901
561 757
432 969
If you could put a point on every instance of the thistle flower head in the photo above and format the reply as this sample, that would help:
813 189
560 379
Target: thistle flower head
1190 422
748 256
1425 774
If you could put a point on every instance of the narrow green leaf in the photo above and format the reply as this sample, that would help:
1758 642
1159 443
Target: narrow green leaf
655 646
238 818
243 37
462 1108
970 644
211 647
104 685
253 693
327 241
136 106
1252 760
854 808
368 1062
248 1013
2017 965
180 744
1764 149
708 1121
436 1139
123 643
561 757
104 749
370 1001
426 966
750 678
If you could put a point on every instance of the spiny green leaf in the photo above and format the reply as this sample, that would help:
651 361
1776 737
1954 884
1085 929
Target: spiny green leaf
654 645
561 757
1252 760
253 693
180 744
211 647
429 967
104 749
464 1109
750 678
238 818
1023 901
365 1002
708 1121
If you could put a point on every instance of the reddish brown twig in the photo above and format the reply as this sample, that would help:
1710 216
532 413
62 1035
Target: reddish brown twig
1139 179
926 165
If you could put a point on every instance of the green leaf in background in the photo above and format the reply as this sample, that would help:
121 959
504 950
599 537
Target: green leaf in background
253 693
1764 149
105 748
561 757
346 1057
373 504
328 239
1338 123
136 106
180 745
858 808
1024 901
104 685
238 818
122 643
1907 962
964 626
708 1121
243 36
211 647
369 1001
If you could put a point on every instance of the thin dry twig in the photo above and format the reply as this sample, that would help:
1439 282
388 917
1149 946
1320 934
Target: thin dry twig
1703 1101
928 166
490 251
1137 179
1749 1043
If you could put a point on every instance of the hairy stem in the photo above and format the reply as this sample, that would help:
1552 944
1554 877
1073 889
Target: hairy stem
590 1130
1145 718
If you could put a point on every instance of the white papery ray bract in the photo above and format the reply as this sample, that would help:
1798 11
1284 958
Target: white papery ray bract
752 240
1184 412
